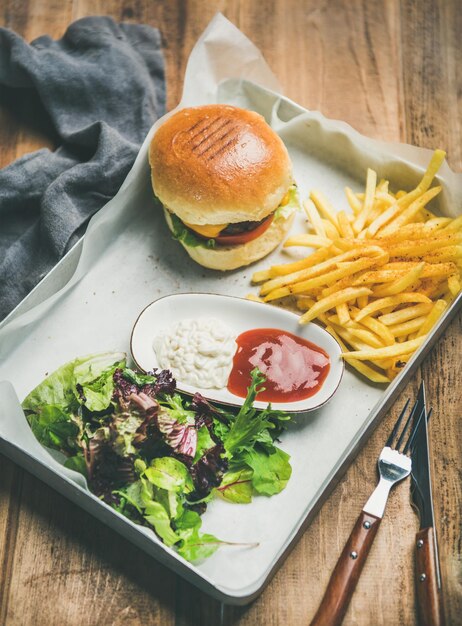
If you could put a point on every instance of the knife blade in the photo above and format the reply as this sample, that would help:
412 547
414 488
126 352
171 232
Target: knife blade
427 572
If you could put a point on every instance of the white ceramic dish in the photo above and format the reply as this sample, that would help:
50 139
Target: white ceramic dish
239 315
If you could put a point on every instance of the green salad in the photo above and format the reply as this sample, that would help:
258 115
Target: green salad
154 455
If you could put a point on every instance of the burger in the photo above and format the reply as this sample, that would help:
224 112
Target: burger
224 178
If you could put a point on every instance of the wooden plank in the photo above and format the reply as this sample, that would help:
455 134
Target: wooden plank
431 47
70 569
393 70
10 501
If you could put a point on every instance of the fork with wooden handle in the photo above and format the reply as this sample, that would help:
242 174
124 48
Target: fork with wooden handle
394 466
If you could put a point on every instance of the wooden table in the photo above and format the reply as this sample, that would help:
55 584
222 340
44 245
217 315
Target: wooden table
394 71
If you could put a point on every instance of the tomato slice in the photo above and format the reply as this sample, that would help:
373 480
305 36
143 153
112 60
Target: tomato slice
241 238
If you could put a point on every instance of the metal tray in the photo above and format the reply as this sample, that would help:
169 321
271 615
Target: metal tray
90 300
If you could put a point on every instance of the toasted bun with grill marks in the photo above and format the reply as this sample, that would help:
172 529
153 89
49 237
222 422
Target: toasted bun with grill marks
231 257
219 164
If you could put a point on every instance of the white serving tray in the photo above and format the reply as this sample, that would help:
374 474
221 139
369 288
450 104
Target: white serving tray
128 259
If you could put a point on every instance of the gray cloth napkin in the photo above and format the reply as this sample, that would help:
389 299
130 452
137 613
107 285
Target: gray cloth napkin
97 91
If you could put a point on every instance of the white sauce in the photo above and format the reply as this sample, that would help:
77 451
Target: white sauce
198 352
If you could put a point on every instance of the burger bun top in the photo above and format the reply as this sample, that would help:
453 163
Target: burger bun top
219 164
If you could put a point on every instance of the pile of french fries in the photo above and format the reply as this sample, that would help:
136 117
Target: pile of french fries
380 277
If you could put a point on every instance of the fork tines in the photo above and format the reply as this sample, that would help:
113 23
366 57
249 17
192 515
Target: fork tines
416 414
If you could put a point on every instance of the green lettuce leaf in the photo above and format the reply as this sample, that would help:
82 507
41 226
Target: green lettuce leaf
220 429
195 546
138 379
271 472
53 428
286 210
126 432
236 486
77 463
187 520
204 442
98 393
53 407
184 234
170 474
138 494
156 515
176 410
250 425
89 368
59 388
142 496
170 500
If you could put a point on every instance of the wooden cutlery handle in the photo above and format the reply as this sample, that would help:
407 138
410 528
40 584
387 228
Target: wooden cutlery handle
347 572
428 594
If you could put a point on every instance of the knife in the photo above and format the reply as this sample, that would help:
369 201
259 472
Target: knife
427 568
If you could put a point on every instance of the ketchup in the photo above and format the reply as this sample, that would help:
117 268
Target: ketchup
295 369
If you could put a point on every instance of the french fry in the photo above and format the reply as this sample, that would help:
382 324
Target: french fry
383 200
410 231
454 284
369 339
449 253
364 369
435 163
390 301
344 225
253 297
314 217
382 186
262 275
437 223
363 301
434 287
324 207
432 318
394 364
331 229
388 351
406 216
400 284
346 335
343 314
353 201
420 247
397 317
384 218
371 182
456 224
346 295
305 302
295 266
310 241
386 274
386 364
376 327
406 328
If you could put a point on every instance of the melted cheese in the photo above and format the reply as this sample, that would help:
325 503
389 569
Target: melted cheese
207 230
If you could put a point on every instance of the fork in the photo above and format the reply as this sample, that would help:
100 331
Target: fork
394 465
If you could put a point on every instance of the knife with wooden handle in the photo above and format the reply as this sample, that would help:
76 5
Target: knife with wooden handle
427 568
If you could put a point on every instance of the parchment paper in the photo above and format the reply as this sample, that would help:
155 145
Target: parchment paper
128 260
